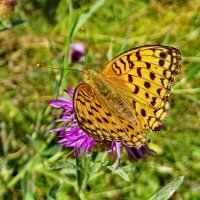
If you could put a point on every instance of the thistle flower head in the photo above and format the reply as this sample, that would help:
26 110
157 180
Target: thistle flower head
71 135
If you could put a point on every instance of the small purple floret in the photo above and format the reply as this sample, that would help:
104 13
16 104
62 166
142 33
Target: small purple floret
71 135
159 128
77 50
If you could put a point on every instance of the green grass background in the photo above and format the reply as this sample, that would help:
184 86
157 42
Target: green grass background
32 164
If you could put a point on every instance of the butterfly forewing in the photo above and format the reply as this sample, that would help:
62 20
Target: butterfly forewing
143 77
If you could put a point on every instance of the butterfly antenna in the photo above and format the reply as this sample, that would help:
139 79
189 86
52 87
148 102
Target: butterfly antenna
39 65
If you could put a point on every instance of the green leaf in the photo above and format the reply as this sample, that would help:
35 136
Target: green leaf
120 172
167 191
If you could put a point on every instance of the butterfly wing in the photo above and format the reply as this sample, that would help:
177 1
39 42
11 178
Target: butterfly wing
143 76
96 119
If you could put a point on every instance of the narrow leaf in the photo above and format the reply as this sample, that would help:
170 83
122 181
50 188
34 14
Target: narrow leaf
167 191
120 172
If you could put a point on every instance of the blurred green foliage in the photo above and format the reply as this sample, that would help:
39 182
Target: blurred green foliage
32 165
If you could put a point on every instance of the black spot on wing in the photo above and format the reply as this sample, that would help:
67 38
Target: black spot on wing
163 54
124 63
108 114
116 68
131 64
136 89
152 76
89 122
98 119
83 120
93 108
161 62
130 127
139 72
153 102
147 84
146 94
134 104
90 113
139 58
105 120
143 112
148 65
130 78
82 102
98 105
159 91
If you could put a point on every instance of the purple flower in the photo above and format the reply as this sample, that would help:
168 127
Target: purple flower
159 128
77 50
9 2
72 136
7 6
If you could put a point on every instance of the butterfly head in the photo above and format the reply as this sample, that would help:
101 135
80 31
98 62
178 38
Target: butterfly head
89 76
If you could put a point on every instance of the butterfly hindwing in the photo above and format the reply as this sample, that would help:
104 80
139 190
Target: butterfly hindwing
96 119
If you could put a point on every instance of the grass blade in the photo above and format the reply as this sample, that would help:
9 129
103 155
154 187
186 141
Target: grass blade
167 191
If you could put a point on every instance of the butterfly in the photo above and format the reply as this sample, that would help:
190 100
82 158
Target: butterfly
129 96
